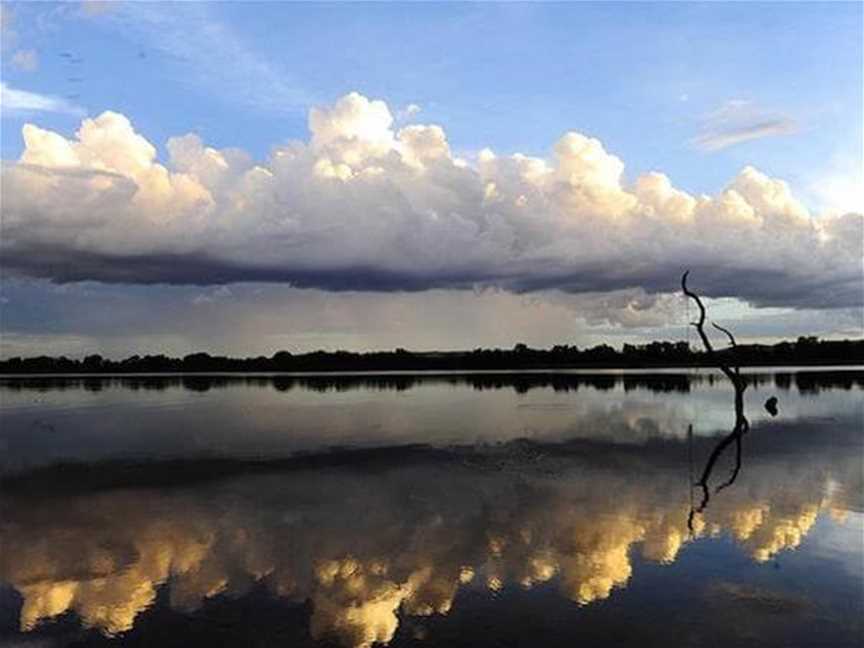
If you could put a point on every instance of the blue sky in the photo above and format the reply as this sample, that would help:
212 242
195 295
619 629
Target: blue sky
640 77
695 91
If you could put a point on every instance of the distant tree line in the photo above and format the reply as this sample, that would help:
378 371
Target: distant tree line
804 351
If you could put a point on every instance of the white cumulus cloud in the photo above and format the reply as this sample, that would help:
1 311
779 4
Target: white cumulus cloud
738 121
365 206
16 101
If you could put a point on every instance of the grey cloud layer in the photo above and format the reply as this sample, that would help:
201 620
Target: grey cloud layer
363 207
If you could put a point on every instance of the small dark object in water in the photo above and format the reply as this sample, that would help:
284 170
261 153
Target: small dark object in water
771 405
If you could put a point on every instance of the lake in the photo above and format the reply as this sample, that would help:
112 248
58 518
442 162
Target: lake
504 509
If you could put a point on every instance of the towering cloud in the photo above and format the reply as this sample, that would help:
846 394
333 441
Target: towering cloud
362 206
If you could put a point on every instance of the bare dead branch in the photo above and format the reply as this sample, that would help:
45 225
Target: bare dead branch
731 341
742 425
709 348
726 331
695 298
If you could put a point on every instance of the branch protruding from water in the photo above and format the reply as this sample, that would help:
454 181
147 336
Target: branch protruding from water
742 425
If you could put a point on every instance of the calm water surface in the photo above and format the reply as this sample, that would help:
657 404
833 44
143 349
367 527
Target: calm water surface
524 509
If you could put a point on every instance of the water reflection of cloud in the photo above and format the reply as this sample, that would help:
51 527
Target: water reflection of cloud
366 547
247 417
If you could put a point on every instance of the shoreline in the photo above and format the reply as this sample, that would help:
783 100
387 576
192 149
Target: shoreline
600 370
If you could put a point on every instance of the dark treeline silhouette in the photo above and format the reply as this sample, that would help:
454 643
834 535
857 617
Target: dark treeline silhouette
805 351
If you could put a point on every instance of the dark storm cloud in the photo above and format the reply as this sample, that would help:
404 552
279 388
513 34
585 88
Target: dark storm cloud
758 286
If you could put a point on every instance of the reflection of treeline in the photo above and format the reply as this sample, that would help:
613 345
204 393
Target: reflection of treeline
811 382
805 382
807 351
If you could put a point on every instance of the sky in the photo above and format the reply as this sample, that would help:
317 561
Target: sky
247 177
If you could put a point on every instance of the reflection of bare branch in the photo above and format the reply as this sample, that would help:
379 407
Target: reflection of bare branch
741 426
734 475
718 451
